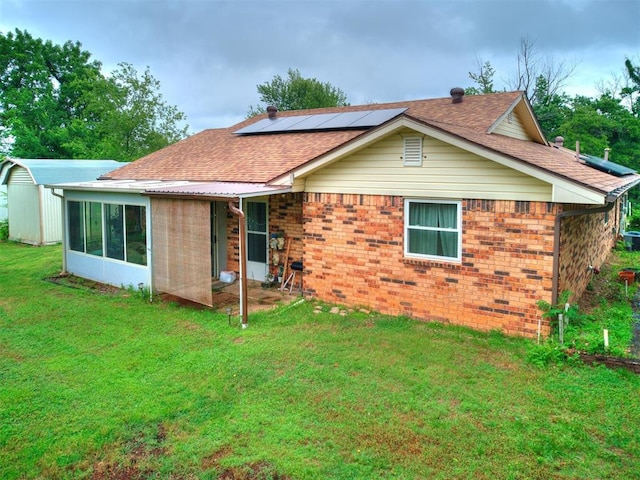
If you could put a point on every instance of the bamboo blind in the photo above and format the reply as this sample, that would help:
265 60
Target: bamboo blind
182 248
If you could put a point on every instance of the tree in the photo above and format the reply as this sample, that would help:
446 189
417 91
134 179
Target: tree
56 103
37 93
483 78
137 121
531 67
297 93
631 92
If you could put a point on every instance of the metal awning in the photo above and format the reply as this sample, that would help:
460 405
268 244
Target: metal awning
223 190
177 189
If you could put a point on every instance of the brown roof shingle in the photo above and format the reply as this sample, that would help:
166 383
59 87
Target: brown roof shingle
219 155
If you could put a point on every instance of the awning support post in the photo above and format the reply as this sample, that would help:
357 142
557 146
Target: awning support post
243 261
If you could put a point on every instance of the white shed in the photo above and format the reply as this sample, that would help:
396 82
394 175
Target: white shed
34 212
4 212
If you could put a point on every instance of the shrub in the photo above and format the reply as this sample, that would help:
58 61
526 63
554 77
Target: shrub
4 230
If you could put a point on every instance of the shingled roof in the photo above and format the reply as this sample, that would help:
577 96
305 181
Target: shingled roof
220 155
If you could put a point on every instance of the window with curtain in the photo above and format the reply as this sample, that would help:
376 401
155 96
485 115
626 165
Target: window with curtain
433 229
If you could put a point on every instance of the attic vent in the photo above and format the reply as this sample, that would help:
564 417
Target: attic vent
412 152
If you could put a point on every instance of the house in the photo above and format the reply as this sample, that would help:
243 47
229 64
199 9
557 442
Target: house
453 209
34 213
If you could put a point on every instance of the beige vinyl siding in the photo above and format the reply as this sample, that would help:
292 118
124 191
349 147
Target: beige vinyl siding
51 216
35 214
512 126
20 176
447 172
24 213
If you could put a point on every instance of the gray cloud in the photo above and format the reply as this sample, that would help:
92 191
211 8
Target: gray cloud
210 55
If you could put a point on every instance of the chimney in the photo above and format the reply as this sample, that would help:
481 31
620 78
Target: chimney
559 142
606 153
272 111
456 95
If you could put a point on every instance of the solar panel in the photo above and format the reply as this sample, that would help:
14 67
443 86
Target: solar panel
607 166
322 121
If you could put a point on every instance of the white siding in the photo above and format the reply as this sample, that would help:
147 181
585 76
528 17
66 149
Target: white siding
24 213
51 216
4 212
512 126
35 214
446 172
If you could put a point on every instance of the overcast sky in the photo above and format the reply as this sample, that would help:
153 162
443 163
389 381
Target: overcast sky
210 55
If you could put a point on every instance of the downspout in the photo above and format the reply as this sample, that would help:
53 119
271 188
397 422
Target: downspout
243 262
556 240
65 241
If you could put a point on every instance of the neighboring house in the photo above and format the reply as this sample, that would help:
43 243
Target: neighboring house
452 209
34 213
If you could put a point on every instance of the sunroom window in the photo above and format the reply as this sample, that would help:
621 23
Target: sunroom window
433 229
108 230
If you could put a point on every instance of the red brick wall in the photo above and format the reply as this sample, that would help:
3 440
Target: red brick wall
285 216
579 250
354 255
233 247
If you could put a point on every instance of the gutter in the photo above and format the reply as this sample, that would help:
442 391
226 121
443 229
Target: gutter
243 262
556 239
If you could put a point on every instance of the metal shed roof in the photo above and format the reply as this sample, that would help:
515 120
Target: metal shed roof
58 171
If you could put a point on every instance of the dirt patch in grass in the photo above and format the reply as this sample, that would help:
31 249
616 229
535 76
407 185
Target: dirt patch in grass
142 452
250 471
220 299
83 284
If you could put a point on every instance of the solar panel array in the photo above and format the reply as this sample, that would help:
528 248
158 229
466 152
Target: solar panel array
606 166
322 121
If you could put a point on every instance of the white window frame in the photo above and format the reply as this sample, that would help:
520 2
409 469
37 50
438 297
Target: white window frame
412 151
458 229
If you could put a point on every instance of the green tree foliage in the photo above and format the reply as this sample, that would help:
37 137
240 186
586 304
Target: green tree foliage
136 120
483 79
56 103
632 92
297 93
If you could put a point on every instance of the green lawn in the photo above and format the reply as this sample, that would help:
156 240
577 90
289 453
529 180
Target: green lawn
108 386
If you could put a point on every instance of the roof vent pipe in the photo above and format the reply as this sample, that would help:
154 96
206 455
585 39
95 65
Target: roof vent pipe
606 153
272 111
456 95
559 141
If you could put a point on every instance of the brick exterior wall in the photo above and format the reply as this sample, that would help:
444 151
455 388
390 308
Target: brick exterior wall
585 240
285 216
354 254
233 246
352 247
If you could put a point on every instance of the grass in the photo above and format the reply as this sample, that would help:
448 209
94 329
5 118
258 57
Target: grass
607 304
101 386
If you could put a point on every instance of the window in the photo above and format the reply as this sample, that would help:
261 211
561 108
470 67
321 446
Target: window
114 228
108 230
256 231
412 152
433 229
93 228
136 234
76 226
